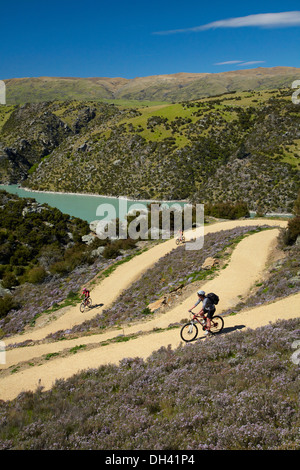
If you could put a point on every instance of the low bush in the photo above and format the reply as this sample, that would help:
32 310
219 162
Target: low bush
7 303
9 280
36 275
292 231
225 210
111 251
60 267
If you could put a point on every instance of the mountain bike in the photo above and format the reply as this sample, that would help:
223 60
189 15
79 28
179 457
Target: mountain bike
180 240
189 331
86 303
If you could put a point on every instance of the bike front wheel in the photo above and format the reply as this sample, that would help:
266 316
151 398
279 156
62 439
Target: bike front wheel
85 303
189 332
217 325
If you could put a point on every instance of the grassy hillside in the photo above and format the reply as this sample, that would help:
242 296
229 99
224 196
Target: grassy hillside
239 146
168 88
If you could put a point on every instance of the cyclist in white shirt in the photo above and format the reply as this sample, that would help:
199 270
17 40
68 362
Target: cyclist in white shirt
208 308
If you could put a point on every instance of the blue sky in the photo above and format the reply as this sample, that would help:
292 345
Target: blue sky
137 38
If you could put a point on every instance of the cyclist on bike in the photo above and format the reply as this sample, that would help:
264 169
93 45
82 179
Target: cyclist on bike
86 293
208 308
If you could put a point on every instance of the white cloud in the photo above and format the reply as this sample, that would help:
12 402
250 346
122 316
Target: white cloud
229 62
241 62
263 20
252 62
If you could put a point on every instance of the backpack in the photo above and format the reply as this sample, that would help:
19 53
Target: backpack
213 297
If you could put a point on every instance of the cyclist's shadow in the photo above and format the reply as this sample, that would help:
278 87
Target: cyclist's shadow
96 306
229 329
225 330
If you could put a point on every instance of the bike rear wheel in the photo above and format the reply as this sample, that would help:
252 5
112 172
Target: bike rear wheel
217 325
85 303
189 332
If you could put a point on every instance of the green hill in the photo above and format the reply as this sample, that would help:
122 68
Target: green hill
167 88
237 146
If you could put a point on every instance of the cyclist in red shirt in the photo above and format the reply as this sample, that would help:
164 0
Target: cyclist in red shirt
86 293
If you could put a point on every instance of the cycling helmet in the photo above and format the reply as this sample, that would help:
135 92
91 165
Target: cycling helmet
201 292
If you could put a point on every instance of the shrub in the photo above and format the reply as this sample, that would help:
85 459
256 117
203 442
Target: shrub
36 275
9 280
7 303
147 311
49 254
73 257
60 267
72 295
111 251
127 244
292 231
226 210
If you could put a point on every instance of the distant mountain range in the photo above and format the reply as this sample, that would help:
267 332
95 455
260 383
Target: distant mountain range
167 88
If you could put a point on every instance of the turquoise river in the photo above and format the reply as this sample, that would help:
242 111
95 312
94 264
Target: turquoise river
80 205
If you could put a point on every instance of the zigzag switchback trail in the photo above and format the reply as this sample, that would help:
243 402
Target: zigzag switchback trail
246 265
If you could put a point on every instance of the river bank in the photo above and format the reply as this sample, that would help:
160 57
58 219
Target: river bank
82 205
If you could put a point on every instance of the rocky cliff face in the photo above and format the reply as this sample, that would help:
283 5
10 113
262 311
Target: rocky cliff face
34 130
31 132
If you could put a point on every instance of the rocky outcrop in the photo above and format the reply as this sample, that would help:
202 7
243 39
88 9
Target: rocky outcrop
210 263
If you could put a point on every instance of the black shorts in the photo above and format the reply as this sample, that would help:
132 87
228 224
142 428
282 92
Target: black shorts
210 313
